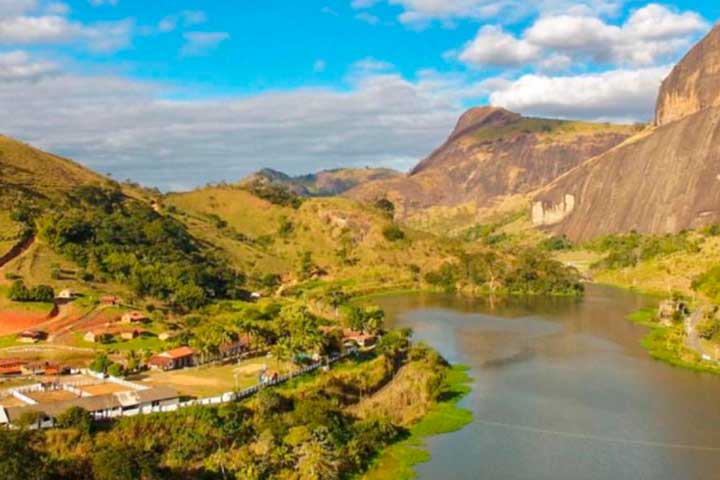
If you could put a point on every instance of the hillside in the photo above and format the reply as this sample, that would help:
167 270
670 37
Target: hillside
327 183
492 153
27 170
662 181
343 240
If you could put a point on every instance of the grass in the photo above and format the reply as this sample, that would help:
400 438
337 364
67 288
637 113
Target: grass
9 232
214 380
667 344
396 462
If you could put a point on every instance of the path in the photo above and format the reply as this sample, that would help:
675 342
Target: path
17 251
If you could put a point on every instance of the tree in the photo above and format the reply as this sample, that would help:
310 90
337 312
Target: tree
115 370
386 206
124 463
75 417
393 233
101 363
18 458
19 292
317 460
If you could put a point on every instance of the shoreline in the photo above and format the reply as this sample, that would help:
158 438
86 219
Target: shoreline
397 461
666 344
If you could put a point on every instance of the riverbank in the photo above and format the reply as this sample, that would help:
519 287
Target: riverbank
396 462
667 344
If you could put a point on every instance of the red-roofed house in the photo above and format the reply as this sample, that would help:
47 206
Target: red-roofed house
173 359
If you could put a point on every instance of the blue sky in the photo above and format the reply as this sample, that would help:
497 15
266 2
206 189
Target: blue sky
177 93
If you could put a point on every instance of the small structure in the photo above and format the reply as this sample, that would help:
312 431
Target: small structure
165 336
173 359
11 367
66 294
32 336
672 311
236 348
269 376
134 317
110 300
130 334
41 368
352 337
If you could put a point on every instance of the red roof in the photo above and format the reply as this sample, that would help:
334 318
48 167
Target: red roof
11 370
180 352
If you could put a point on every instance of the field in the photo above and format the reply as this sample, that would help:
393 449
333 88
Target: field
214 380
9 232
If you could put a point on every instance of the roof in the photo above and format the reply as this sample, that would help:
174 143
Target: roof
97 403
135 315
180 352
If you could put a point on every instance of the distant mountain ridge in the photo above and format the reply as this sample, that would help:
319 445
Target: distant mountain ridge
326 183
662 181
493 153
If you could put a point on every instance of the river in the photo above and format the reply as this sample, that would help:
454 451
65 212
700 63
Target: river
564 391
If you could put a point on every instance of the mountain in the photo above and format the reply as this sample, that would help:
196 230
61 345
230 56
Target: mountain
662 181
493 153
326 183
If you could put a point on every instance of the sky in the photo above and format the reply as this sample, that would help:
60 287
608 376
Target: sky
179 93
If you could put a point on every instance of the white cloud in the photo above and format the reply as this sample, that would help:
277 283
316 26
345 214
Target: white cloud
621 95
100 3
186 18
492 46
370 64
368 18
127 128
202 43
23 24
653 34
17 66
420 12
11 8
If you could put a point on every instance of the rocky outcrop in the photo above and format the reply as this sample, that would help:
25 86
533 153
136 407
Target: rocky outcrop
694 83
493 153
662 181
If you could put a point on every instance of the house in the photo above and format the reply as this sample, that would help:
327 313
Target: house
173 359
98 336
236 348
66 294
134 317
351 337
130 334
32 336
11 367
41 368
110 300
110 405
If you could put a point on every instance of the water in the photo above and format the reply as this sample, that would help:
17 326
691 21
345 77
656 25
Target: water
563 390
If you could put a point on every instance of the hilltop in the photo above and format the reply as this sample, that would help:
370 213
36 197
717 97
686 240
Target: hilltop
492 153
661 181
326 183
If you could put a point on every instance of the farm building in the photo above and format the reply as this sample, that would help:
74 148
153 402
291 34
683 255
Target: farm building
102 398
66 294
134 317
11 367
173 359
110 300
32 336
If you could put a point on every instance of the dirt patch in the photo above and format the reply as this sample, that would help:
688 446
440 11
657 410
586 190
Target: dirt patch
104 389
16 322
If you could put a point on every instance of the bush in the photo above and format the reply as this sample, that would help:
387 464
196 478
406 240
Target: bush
20 293
386 206
393 233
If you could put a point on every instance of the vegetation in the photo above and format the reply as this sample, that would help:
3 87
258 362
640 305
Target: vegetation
20 293
114 238
275 193
304 430
628 250
530 272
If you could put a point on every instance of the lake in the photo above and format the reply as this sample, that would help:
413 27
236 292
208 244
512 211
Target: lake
563 390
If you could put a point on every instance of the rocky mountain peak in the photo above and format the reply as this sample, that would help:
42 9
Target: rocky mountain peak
694 84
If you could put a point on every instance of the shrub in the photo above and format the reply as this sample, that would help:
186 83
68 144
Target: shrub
386 206
393 233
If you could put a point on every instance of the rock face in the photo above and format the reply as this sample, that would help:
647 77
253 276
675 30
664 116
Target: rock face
492 153
661 181
694 83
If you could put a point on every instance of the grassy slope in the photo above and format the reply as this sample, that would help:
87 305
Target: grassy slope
320 226
398 460
9 232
